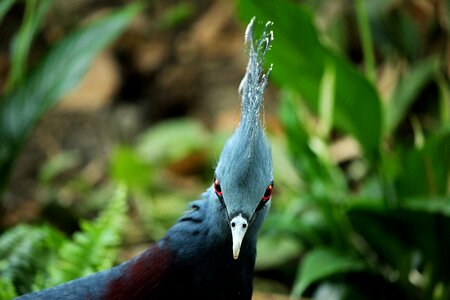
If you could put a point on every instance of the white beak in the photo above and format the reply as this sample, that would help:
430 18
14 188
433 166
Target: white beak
239 226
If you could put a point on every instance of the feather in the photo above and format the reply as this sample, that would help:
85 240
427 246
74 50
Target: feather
254 83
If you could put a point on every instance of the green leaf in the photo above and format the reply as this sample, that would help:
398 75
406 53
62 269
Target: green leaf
5 5
320 175
276 250
34 13
366 39
322 263
299 61
128 168
309 166
431 205
58 73
425 171
407 91
373 225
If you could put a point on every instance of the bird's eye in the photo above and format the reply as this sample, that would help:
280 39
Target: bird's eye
217 188
268 193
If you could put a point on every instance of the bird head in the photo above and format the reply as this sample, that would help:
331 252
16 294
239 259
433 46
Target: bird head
243 180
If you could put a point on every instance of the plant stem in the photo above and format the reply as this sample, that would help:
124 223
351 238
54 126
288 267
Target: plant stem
444 100
366 39
35 11
326 100
21 46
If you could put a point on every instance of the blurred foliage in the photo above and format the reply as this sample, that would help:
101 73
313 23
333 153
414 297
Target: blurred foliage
30 94
375 225
371 225
177 15
36 257
298 47
24 251
149 166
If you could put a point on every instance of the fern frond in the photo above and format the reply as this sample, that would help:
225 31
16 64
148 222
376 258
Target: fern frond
94 248
36 257
12 237
24 252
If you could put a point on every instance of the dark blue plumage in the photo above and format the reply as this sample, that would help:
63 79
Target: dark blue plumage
210 252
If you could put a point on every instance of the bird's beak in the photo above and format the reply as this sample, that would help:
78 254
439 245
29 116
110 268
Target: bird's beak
239 226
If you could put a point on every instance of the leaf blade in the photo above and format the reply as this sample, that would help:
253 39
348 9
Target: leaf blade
299 61
59 72
322 263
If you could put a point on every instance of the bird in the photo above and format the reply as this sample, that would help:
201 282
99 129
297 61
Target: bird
210 252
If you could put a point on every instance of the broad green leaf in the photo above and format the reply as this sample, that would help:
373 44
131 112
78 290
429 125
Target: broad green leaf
407 91
321 263
299 60
59 72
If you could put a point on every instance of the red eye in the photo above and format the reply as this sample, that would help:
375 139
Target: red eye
268 193
217 188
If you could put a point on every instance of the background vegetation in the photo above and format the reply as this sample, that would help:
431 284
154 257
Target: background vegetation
358 115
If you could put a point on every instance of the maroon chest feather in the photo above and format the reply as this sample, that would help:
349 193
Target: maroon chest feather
142 278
